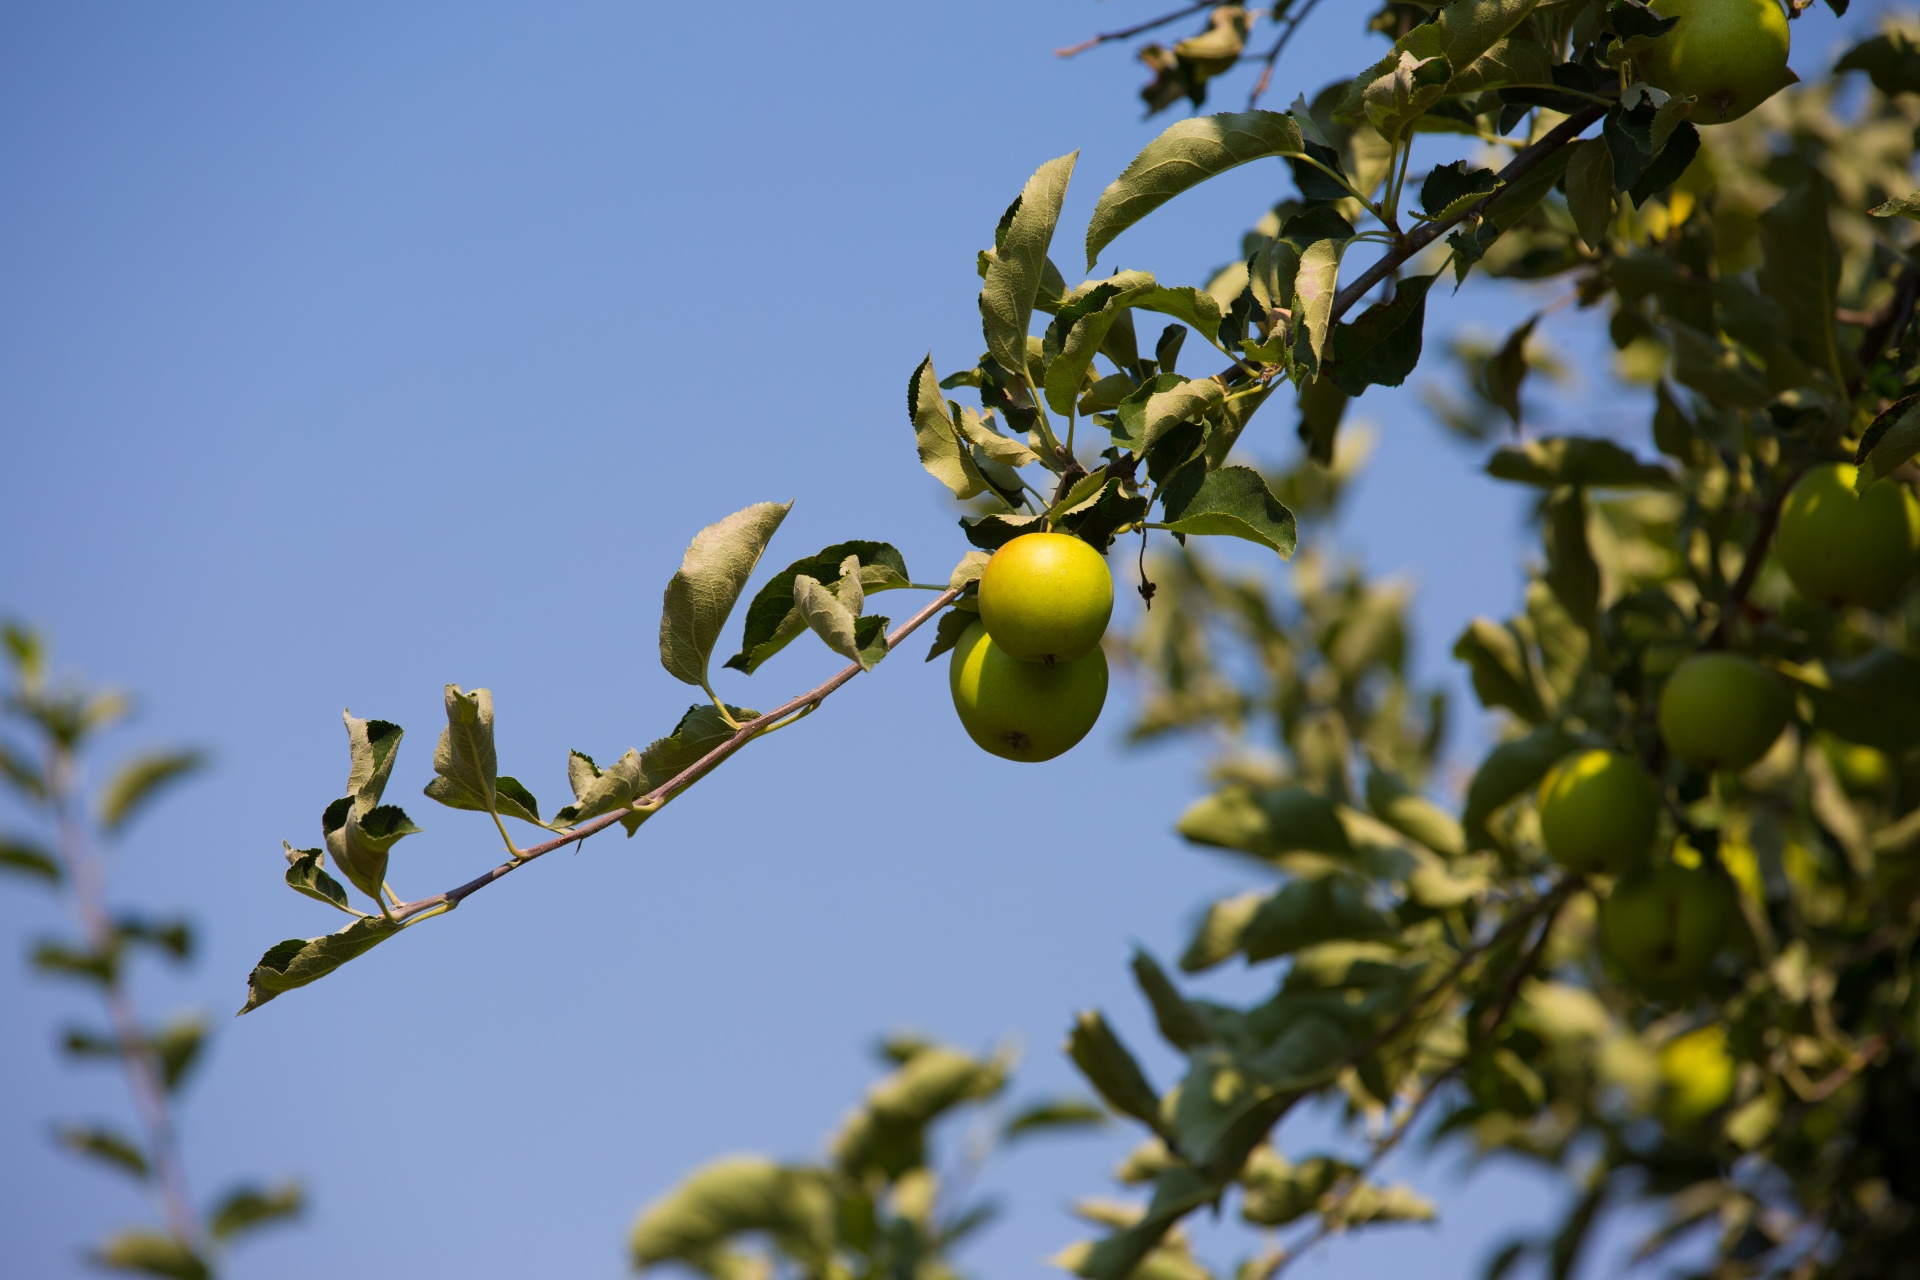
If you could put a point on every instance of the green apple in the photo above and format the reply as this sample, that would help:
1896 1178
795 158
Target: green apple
1722 711
1840 547
1600 811
1664 923
1730 54
1696 1076
1028 711
1861 770
1046 597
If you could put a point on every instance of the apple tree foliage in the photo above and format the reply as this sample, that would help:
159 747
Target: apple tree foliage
1432 971
48 728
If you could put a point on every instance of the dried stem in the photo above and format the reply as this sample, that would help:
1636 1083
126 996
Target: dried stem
699 769
1128 33
143 1069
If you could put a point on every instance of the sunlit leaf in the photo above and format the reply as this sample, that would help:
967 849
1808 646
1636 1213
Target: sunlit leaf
710 579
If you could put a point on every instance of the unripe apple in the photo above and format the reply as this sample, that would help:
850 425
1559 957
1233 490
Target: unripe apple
1696 1076
1861 770
1730 54
1664 923
1840 547
1600 811
1028 711
1722 711
1046 597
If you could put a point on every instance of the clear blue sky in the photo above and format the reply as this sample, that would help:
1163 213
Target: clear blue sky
348 350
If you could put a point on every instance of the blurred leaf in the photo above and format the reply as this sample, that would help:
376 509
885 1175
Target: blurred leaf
1309 912
1413 815
245 1209
176 1047
1509 770
1554 461
150 1253
298 961
1506 369
1266 823
1019 261
22 773
1179 1022
106 1146
172 938
1368 1203
1571 571
888 1133
1278 1192
25 859
1873 700
72 962
702 592
1112 1069
139 781
1184 156
1906 206
1176 1193
1502 669
1891 61
1233 502
1052 1115
1218 936
1801 273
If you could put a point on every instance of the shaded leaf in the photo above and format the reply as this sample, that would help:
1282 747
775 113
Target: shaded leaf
1112 1069
1182 157
1309 912
1507 369
703 591
25 859
1218 936
1554 461
888 1133
947 632
1890 442
1890 60
1450 189
1020 255
772 618
140 780
991 532
1179 1022
1233 502
1052 1115
298 961
1590 189
150 1253
1508 771
1382 346
1413 815
1801 272
1502 670
1267 823
176 1047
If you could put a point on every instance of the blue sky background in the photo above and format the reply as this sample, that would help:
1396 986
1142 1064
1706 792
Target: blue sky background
349 350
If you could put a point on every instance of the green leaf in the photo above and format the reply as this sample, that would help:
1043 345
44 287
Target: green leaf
947 632
72 962
107 1146
1554 461
1398 90
1887 445
596 792
298 961
1572 573
991 532
936 438
371 747
1080 330
1413 815
887 1134
1382 346
1316 283
1129 426
1051 1116
1801 273
1184 156
722 1201
172 938
1510 770
1502 670
1190 401
464 761
1368 1203
1873 699
22 774
1278 1192
140 780
1890 60
176 1047
833 612
773 620
1451 189
1233 501
360 845
1112 1070
1906 206
1135 1252
993 447
246 1208
968 571
150 1253
711 576
1195 306
1309 912
516 801
1590 189
699 731
1019 261
25 859
1178 1020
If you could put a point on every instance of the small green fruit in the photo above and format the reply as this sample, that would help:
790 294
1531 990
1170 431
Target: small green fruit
1845 548
1600 811
1861 770
1696 1076
1722 711
1663 924
1730 54
1046 597
1028 711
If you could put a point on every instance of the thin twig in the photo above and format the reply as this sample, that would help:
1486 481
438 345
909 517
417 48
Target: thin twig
1736 600
1293 21
1110 36
699 769
1843 1074
136 1051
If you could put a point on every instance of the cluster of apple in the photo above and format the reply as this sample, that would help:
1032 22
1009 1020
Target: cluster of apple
1600 810
1029 678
